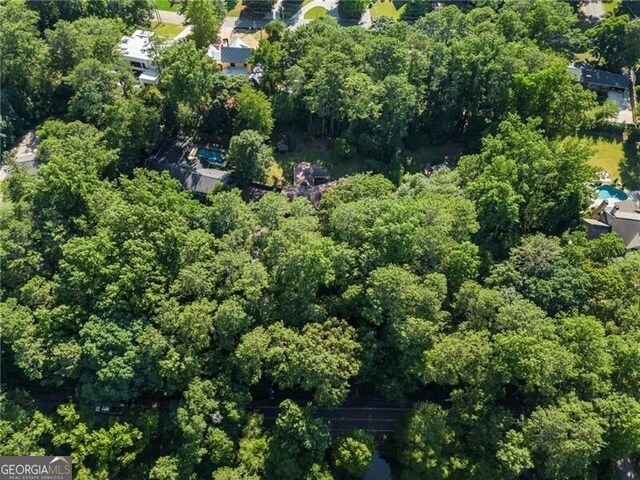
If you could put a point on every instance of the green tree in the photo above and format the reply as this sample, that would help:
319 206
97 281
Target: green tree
275 29
267 58
206 17
514 169
187 81
25 84
322 359
399 107
249 157
23 428
565 440
297 443
133 128
254 112
550 24
95 85
97 453
259 6
72 42
427 447
552 95
352 8
615 41
353 452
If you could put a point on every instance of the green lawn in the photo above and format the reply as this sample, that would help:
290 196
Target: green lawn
422 156
313 150
611 6
584 57
608 154
168 30
315 12
236 10
387 8
167 6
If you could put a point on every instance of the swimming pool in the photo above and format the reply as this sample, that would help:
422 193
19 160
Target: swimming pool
213 156
607 192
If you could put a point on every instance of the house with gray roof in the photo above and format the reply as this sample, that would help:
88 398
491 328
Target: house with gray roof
622 218
234 58
600 80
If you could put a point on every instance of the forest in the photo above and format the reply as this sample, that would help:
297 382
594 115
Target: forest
471 297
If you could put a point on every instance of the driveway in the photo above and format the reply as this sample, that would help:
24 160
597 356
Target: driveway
366 19
623 101
298 19
24 155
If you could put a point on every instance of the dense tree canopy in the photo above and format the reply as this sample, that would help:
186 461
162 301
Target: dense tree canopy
468 297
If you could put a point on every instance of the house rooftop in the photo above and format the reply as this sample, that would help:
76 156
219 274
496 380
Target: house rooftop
309 174
624 219
235 54
214 52
602 77
200 180
138 45
150 75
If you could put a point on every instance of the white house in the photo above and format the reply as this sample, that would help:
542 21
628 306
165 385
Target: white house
140 52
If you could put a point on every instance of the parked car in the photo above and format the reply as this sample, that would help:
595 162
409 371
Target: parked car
110 409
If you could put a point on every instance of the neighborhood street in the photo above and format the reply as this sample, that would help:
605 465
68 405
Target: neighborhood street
170 17
298 19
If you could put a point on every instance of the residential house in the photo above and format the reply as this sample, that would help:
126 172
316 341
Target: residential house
600 80
234 58
622 218
617 86
309 180
140 52
200 181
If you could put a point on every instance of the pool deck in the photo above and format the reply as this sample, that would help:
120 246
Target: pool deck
193 175
611 200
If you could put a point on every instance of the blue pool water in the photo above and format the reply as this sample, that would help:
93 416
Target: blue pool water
606 192
211 155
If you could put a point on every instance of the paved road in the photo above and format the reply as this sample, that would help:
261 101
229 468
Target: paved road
298 19
183 33
171 17
366 19
244 22
370 419
24 154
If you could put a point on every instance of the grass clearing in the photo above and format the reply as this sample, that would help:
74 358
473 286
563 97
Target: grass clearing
316 12
291 7
608 154
584 57
422 156
611 6
168 30
387 8
167 6
312 150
